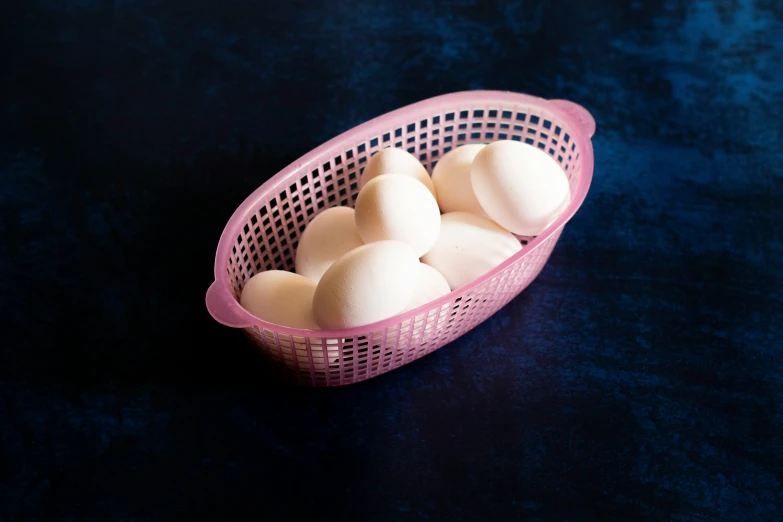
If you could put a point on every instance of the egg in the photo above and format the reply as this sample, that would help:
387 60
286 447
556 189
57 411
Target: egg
451 177
396 161
520 187
398 208
468 247
368 284
287 299
327 237
430 285
280 297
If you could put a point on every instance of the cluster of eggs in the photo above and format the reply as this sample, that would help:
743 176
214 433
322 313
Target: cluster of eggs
412 238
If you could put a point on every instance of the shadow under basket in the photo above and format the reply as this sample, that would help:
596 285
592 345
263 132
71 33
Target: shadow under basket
264 231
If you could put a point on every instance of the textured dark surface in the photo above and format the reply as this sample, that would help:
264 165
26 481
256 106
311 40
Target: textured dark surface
639 378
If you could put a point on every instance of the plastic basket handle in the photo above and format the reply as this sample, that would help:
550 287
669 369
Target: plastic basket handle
222 306
580 114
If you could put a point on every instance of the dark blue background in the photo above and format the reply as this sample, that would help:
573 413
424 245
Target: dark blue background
639 378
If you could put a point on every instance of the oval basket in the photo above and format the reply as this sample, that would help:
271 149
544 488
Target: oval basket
264 231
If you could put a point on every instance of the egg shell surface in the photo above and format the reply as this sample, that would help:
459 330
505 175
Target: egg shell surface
396 161
519 186
280 297
430 285
451 177
468 247
370 283
398 208
327 237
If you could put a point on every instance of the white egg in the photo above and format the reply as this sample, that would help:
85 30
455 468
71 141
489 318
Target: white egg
327 237
287 299
396 161
280 297
430 285
521 187
451 177
368 284
398 208
468 247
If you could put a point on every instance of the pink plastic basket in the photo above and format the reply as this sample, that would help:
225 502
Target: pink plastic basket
264 231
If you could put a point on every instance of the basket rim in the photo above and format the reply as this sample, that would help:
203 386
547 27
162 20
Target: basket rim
226 310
